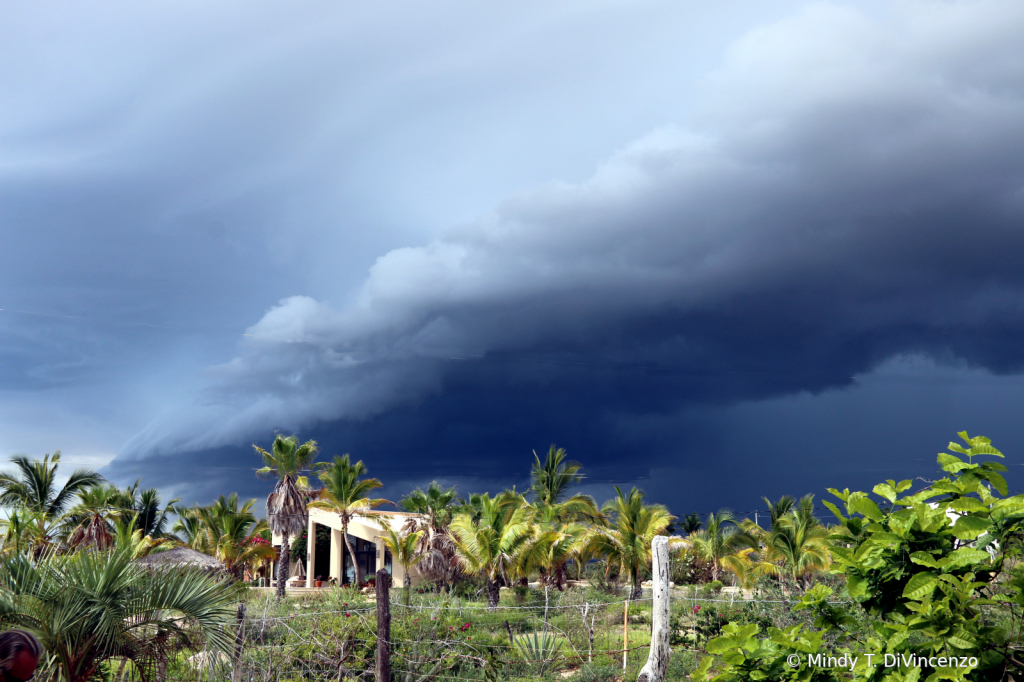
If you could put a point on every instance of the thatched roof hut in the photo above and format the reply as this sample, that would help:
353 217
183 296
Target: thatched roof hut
182 557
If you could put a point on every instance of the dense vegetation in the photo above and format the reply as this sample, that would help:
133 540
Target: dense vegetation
525 586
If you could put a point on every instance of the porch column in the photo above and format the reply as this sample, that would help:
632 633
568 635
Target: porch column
398 571
311 552
337 547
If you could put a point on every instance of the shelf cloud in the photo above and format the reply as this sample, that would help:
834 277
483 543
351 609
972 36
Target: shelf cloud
847 188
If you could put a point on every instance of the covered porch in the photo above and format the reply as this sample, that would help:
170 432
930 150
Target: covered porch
366 535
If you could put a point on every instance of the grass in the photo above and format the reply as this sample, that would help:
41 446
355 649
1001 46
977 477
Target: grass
308 636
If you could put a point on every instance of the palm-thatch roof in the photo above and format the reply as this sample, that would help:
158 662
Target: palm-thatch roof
182 557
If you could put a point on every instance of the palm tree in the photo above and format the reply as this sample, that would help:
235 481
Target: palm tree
489 546
226 530
627 540
33 486
21 533
89 607
344 494
550 481
189 527
720 537
550 484
437 551
691 524
91 520
405 550
437 503
150 518
286 505
747 568
557 542
129 538
799 542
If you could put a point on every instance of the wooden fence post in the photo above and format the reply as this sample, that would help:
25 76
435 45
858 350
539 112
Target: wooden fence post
657 657
625 630
236 672
383 627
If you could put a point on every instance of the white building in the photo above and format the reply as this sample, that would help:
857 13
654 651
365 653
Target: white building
366 535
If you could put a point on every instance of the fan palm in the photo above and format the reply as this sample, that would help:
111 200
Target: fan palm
437 503
720 537
344 493
89 607
404 549
286 505
627 540
489 546
471 505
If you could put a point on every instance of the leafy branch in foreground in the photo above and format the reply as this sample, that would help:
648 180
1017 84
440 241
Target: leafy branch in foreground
924 566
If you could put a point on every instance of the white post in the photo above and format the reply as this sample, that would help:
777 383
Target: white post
310 552
657 657
337 546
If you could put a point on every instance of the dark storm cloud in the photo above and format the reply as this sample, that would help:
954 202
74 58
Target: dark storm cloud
848 189
168 170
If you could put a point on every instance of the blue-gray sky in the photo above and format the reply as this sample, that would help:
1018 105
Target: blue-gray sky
717 250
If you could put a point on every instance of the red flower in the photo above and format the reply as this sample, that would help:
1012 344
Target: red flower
696 609
347 615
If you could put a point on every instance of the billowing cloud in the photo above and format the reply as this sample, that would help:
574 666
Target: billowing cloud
846 188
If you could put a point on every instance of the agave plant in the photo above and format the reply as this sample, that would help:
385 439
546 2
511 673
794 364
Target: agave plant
543 651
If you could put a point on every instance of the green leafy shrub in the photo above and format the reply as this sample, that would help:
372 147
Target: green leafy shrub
924 568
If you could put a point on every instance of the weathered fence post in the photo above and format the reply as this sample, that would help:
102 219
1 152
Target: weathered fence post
383 627
236 672
657 657
625 630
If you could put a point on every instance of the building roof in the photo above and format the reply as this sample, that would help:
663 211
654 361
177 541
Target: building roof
181 557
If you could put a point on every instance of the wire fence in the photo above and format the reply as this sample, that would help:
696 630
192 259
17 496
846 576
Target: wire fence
333 635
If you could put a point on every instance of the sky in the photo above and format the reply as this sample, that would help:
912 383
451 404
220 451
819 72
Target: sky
718 251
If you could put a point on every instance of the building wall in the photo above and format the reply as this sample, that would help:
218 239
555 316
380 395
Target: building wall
364 528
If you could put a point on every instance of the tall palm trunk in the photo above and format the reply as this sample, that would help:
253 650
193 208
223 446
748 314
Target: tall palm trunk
283 564
352 555
637 591
406 587
493 594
